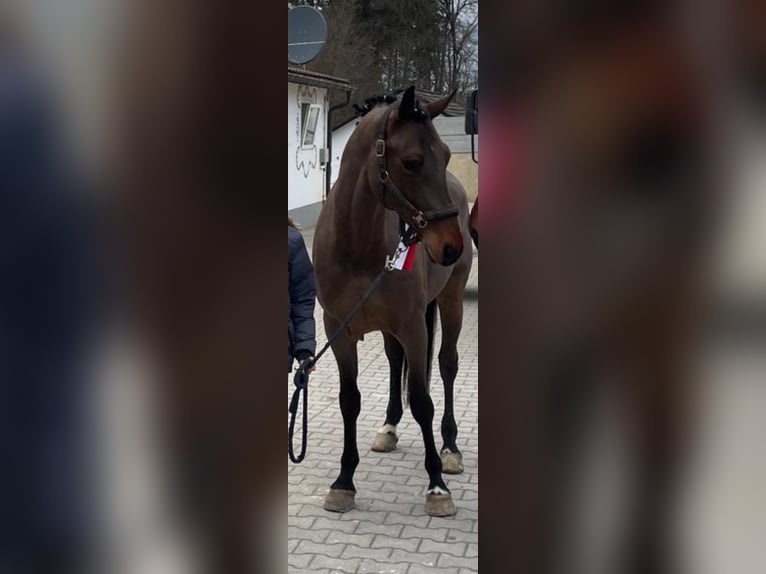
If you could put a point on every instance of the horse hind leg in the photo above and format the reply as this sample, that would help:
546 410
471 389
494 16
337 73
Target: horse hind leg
451 312
386 437
341 497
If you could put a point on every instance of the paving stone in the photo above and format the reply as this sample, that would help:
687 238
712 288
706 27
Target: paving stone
417 558
312 535
347 566
373 567
454 548
309 547
299 562
408 544
379 554
347 526
416 569
361 540
386 530
448 560
435 534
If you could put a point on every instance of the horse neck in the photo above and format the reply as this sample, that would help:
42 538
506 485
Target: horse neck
360 219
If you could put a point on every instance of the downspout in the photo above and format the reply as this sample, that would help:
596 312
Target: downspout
328 168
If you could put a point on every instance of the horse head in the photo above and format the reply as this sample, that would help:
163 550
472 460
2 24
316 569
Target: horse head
407 171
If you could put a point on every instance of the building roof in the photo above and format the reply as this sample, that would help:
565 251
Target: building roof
311 78
345 122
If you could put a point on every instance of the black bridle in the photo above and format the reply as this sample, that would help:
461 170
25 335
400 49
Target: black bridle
408 213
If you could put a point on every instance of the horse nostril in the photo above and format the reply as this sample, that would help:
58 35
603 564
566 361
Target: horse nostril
450 255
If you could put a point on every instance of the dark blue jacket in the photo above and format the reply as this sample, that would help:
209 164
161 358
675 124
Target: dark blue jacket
301 297
45 316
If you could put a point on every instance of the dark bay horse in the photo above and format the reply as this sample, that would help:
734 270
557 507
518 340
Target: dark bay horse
395 170
604 259
189 269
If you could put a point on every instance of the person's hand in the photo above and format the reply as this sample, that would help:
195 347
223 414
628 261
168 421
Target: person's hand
304 357
312 368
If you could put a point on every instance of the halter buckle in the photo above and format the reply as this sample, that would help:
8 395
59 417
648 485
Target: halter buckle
420 220
380 148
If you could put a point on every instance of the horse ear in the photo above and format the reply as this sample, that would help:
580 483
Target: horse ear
407 107
438 106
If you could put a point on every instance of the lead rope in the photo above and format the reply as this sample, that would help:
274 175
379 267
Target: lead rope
301 379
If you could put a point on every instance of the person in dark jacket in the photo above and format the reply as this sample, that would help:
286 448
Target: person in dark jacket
46 317
301 298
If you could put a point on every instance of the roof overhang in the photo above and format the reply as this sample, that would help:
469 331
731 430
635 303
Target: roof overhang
310 78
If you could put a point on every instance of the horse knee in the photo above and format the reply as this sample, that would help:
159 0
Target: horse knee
350 403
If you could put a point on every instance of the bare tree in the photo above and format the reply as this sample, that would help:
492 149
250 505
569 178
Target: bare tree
460 19
382 45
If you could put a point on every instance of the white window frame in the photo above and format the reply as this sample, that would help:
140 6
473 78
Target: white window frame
317 109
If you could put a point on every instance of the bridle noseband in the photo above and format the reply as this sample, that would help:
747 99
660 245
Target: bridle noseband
408 213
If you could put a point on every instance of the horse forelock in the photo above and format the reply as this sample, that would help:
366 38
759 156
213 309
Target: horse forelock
373 114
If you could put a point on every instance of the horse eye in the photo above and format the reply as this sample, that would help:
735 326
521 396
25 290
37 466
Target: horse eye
412 165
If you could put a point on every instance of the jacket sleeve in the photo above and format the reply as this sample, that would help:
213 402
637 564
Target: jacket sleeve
302 299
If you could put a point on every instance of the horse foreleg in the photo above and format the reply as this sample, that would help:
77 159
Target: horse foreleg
342 492
438 499
386 438
654 352
660 399
451 313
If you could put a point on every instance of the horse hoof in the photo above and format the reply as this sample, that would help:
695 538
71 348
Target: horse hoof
339 500
452 462
440 504
385 442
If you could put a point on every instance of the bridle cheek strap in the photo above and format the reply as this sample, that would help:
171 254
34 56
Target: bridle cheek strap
416 218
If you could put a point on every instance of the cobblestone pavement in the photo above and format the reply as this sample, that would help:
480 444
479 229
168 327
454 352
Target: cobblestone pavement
389 531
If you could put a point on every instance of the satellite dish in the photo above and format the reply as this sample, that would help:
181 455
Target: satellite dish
306 34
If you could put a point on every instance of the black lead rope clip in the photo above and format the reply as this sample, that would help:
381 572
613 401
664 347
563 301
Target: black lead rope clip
408 234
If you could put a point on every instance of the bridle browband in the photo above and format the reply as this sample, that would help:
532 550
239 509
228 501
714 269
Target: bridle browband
408 213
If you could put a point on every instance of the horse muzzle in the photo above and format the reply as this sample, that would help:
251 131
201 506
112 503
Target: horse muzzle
443 241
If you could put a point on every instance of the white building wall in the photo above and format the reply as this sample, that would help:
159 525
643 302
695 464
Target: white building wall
305 174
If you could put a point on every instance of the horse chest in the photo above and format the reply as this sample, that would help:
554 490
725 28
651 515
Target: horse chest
397 298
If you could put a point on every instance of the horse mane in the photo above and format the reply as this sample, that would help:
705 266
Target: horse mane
413 110
374 101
